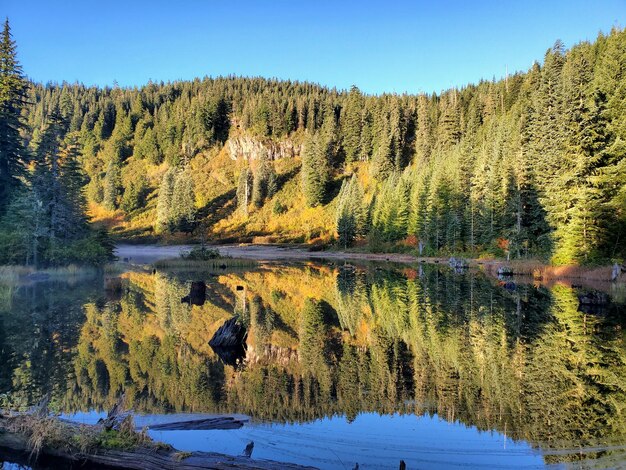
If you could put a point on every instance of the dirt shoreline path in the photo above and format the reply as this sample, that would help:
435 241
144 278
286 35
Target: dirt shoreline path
151 253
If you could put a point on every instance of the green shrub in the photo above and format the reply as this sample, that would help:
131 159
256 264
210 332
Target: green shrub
201 254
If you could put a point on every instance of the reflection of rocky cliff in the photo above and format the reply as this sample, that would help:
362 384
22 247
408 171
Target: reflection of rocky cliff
323 341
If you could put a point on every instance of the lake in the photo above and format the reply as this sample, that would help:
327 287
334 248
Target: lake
344 364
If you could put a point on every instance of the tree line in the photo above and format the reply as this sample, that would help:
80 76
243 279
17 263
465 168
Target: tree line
530 165
42 204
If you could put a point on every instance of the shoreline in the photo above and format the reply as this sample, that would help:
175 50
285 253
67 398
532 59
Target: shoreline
534 269
35 438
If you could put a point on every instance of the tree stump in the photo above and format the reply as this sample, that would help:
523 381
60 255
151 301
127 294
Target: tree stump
231 334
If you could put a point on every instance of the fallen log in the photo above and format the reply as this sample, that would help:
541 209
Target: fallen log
225 422
18 447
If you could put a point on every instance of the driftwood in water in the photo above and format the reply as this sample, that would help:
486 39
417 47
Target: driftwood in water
116 415
504 271
617 270
230 335
197 294
458 264
593 298
225 422
15 447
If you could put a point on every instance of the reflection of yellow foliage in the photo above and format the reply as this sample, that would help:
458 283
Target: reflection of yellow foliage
285 289
526 362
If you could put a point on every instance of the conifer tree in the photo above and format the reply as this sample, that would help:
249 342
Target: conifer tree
55 205
315 169
423 134
164 202
351 124
13 89
244 189
261 189
183 210
112 186
350 218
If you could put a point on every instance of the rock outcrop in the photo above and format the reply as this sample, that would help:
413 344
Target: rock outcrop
245 147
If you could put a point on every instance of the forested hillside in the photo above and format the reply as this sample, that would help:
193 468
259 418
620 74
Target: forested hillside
43 220
529 166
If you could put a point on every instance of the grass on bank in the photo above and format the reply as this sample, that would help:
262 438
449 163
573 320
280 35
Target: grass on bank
203 258
52 432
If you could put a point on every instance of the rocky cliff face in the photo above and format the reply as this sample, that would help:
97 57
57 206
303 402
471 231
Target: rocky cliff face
249 148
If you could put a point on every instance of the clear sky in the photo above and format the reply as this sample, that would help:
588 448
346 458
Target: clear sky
380 46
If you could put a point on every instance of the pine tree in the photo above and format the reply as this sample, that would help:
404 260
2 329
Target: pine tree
46 178
350 216
449 130
261 181
351 124
56 193
244 189
13 89
610 112
382 165
135 193
112 186
147 147
183 210
423 133
27 219
550 134
315 171
582 234
73 180
164 202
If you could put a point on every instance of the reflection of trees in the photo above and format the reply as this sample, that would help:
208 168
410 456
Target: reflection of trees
526 363
321 343
521 363
577 372
39 327
351 297
145 345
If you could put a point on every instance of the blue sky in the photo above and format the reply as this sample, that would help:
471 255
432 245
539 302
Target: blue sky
392 46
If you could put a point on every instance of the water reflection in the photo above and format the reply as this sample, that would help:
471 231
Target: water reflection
325 341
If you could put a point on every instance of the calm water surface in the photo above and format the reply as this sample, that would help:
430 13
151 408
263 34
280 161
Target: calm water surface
342 364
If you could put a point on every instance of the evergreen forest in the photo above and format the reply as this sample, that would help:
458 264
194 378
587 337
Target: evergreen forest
530 166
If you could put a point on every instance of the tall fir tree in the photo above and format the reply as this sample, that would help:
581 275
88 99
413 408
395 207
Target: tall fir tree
315 169
164 202
350 217
352 123
13 94
183 211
